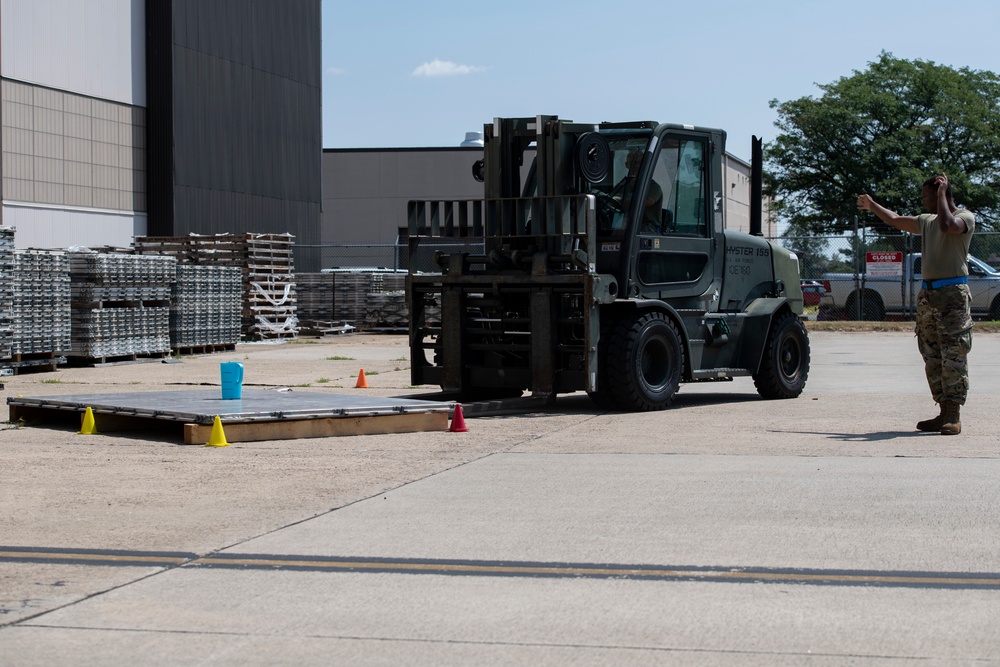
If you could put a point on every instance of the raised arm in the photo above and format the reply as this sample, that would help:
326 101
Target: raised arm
948 222
903 223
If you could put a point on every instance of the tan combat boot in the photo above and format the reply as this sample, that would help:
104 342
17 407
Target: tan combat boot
932 424
952 421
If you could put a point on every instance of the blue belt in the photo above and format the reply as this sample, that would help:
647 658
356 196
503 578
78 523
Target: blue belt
945 282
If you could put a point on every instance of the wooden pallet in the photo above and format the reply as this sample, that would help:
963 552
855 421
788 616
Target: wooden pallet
189 350
42 362
117 360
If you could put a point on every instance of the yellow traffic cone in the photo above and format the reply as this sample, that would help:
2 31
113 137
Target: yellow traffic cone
218 437
88 428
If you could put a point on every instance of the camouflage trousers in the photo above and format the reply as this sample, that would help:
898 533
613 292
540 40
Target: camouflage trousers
944 338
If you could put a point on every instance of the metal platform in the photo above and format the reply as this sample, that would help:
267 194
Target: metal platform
258 415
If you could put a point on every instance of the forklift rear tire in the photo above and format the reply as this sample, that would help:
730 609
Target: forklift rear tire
645 360
784 367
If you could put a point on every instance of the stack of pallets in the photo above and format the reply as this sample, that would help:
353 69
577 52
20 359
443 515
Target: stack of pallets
205 308
121 306
42 298
270 308
6 292
265 260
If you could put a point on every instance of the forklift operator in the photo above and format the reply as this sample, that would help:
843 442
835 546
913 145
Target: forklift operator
654 196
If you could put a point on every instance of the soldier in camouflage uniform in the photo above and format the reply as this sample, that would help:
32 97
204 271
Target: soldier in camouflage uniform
944 321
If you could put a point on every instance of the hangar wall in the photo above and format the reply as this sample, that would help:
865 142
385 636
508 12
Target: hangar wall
133 117
73 117
365 191
234 92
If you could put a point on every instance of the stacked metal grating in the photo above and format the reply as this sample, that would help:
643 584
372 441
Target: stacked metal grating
42 296
269 298
6 291
205 310
121 304
350 296
315 293
387 310
366 298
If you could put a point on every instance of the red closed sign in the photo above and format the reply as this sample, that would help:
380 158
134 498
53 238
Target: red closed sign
884 264
882 257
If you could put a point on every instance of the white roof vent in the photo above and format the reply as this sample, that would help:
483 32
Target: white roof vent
473 139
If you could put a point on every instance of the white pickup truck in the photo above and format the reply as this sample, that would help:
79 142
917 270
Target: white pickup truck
862 297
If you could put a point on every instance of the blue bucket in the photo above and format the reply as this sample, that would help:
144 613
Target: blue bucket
232 379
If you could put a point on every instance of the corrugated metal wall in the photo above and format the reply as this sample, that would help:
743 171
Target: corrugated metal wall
243 126
56 227
94 48
365 191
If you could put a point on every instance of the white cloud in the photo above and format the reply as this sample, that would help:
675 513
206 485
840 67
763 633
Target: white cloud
439 67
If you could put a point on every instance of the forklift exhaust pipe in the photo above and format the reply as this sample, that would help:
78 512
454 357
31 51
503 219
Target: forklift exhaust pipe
756 186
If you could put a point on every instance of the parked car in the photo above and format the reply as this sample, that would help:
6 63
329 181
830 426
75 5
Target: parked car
812 292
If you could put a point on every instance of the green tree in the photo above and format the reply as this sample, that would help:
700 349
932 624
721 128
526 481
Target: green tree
883 131
811 251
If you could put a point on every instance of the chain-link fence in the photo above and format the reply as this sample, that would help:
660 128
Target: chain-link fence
384 256
851 289
834 262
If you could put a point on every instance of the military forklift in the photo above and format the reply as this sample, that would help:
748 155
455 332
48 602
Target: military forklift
598 260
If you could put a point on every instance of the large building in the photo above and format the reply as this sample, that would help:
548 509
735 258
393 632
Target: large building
365 192
124 118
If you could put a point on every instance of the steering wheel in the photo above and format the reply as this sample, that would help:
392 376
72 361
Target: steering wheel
607 207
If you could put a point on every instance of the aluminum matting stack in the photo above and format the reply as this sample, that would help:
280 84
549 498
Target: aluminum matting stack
42 297
350 297
387 310
316 299
269 298
6 291
121 304
205 310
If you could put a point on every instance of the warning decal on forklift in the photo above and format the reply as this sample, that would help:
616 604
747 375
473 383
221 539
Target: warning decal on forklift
611 247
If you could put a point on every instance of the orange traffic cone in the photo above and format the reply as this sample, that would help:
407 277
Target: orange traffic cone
362 380
458 421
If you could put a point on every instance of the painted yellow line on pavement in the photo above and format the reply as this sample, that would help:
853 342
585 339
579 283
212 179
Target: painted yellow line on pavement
94 558
498 568
559 570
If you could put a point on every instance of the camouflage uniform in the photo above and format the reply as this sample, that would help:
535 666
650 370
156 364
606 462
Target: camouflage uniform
944 337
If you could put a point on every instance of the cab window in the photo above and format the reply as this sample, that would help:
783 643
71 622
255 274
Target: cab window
679 182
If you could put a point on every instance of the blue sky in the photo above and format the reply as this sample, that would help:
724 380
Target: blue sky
418 74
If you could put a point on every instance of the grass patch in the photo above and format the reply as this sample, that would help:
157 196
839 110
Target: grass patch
855 326
338 358
322 380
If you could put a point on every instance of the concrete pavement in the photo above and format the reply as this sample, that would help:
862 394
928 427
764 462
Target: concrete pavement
726 530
